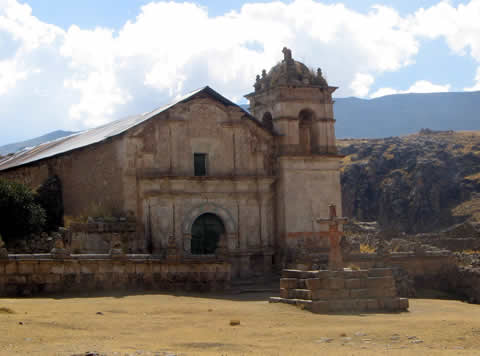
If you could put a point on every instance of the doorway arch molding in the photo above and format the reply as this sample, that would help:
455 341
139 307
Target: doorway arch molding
212 208
228 222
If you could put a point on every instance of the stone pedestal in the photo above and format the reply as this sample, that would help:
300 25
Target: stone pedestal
346 291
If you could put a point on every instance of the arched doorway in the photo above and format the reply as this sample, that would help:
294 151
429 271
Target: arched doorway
206 233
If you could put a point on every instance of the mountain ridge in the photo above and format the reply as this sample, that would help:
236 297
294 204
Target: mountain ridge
17 146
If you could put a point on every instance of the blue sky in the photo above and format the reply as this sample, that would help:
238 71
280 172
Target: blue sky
78 64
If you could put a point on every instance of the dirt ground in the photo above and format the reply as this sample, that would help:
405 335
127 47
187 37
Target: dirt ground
160 324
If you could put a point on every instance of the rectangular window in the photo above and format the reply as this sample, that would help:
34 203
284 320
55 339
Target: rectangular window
200 164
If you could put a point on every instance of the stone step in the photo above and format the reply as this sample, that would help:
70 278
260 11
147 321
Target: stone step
388 304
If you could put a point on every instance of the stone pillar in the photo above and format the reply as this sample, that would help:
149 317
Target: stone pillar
222 248
172 250
187 244
245 266
267 265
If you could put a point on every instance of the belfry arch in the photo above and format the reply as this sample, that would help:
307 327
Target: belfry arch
267 120
305 123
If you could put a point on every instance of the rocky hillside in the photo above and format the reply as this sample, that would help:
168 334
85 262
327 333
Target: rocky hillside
417 183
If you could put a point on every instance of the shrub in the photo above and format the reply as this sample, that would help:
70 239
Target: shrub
364 248
19 213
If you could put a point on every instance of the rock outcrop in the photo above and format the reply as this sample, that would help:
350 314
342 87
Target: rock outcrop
417 183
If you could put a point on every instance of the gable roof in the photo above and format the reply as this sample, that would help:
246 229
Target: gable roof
102 133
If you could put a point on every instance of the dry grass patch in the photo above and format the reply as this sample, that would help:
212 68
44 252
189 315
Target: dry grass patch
160 324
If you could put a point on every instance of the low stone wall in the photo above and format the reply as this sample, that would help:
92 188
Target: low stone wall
464 282
23 275
438 271
417 266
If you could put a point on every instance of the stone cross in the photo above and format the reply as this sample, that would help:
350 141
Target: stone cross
335 260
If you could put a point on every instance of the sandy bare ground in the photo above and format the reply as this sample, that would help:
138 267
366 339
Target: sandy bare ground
160 324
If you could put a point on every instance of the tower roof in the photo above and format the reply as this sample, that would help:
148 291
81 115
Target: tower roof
290 72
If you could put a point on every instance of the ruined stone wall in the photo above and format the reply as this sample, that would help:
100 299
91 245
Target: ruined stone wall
417 266
23 275
90 179
96 237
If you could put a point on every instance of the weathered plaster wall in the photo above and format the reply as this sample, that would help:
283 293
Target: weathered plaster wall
161 188
306 186
29 274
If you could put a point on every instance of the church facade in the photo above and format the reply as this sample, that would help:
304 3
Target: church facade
205 178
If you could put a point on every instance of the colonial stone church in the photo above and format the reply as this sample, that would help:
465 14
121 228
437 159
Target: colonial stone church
205 177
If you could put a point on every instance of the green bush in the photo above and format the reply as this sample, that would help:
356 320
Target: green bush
20 214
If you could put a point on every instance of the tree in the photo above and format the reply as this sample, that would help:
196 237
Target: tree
20 214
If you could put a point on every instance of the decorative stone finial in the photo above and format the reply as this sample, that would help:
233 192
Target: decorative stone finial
264 73
287 55
320 79
257 84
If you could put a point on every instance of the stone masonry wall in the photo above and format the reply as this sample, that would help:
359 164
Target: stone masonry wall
341 291
415 265
96 237
24 275
89 177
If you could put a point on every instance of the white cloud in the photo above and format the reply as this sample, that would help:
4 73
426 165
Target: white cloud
460 26
80 78
476 86
9 75
421 86
361 84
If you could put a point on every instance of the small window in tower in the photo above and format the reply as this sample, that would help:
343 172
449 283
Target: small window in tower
200 164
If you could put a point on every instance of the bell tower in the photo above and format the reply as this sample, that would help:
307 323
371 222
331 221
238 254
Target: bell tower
297 104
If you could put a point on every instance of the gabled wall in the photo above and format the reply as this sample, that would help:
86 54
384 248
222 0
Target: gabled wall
89 176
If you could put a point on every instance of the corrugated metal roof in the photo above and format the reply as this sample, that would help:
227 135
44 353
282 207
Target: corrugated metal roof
98 134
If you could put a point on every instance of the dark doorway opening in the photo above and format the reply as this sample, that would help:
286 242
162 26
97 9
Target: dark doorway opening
206 232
